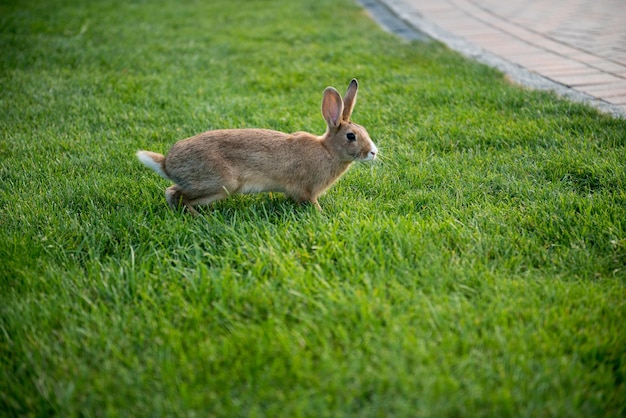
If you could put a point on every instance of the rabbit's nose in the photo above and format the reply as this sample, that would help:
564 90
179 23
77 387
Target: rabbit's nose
373 151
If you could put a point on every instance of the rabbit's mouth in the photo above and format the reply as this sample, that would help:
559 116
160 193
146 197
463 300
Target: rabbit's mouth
367 155
364 156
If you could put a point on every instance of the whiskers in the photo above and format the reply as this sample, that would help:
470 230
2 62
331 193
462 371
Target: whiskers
373 164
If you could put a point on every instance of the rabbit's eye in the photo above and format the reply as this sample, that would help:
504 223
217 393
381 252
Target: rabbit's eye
351 136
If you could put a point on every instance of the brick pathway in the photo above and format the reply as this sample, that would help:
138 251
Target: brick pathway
580 44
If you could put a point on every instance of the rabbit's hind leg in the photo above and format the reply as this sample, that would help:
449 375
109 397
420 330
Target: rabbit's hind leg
175 197
208 198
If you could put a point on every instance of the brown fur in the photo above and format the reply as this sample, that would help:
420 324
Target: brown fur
215 164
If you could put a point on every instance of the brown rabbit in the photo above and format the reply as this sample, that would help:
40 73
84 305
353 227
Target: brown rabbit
215 164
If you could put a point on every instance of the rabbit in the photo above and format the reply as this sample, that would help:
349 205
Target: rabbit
215 164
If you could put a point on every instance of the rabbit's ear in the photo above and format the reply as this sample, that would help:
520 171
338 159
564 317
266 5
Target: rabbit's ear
350 99
332 107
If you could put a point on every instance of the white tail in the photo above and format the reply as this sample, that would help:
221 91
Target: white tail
153 161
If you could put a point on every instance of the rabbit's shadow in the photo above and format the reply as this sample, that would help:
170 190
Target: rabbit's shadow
273 208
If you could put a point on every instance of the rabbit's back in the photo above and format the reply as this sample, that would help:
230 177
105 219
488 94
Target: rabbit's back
251 159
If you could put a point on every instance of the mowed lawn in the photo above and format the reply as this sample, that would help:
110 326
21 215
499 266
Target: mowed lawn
477 268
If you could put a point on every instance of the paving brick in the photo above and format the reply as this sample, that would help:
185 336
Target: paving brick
569 71
585 80
621 101
560 64
542 58
605 90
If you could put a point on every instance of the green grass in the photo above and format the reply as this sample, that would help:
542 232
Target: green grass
478 268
